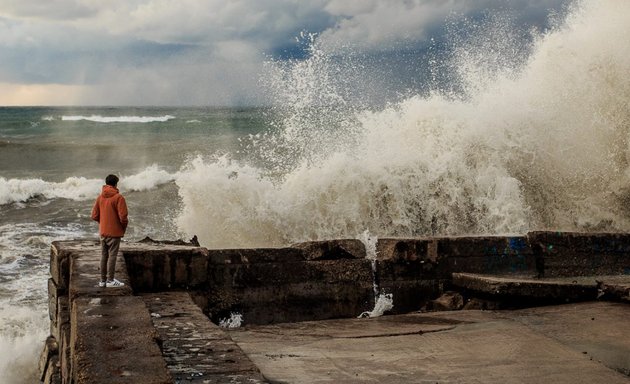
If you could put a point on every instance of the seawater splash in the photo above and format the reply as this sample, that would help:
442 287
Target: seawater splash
542 145
234 321
24 322
369 242
383 302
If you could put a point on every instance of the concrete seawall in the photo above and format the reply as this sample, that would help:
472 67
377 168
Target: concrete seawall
156 328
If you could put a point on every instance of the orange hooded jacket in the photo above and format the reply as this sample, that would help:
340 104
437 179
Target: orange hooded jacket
110 210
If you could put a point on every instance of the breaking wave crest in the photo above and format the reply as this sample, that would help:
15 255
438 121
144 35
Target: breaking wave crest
538 145
118 119
77 188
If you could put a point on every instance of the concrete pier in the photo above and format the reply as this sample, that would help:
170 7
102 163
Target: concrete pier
161 326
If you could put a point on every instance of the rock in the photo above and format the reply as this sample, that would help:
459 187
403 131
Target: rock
481 304
449 301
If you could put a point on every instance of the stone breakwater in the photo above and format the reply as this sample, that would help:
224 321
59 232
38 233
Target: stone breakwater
157 328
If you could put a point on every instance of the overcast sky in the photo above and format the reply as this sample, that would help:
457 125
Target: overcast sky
206 52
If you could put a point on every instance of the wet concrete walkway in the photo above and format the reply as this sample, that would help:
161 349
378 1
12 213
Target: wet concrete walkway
195 349
576 343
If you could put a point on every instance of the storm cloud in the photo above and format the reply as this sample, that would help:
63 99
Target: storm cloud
194 52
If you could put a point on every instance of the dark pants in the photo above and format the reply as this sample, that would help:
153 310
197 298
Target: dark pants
109 254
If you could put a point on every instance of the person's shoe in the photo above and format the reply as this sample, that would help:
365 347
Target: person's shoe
115 283
101 284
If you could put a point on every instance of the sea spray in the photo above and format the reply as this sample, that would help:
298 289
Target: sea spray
370 242
541 145
382 301
234 321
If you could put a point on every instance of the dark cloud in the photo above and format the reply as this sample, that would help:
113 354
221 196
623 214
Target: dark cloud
211 51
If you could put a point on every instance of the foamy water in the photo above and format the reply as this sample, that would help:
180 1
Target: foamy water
539 146
24 322
78 188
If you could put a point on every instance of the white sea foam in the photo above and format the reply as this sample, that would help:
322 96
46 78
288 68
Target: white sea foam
234 321
542 145
78 188
22 335
24 322
147 179
384 302
118 119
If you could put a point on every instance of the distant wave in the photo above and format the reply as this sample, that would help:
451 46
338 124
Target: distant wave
78 188
118 119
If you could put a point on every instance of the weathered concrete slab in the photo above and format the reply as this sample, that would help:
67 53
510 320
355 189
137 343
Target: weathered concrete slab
113 340
600 331
196 350
451 347
566 289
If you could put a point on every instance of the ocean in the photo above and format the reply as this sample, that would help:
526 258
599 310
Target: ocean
539 143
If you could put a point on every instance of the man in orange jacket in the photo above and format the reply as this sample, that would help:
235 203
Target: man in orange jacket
110 210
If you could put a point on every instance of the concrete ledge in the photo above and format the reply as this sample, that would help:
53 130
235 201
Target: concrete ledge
549 289
113 341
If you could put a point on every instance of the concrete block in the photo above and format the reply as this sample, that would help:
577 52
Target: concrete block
140 269
581 254
165 268
332 249
65 357
488 254
395 250
59 266
254 256
62 317
51 348
53 294
52 372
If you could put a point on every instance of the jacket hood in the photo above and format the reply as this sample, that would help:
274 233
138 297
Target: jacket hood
109 191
